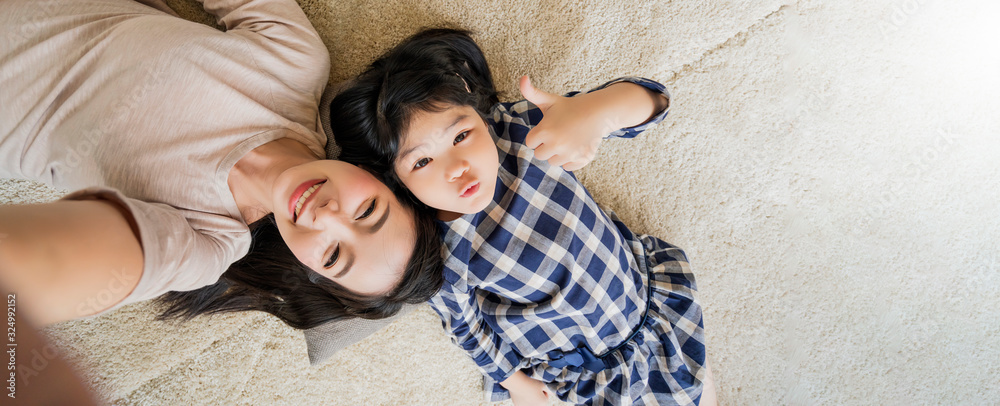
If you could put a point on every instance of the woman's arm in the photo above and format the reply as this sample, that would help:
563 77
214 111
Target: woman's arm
293 50
68 259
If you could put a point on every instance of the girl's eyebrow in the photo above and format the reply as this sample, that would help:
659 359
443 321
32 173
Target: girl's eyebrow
444 131
457 119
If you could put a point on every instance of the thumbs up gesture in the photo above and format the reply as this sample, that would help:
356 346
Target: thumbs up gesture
571 129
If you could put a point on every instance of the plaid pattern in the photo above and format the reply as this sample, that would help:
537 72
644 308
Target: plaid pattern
543 271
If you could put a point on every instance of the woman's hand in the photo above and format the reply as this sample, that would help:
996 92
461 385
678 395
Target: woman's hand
572 128
525 391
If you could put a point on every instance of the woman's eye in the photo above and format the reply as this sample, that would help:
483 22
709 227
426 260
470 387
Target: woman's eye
460 137
371 209
333 258
421 163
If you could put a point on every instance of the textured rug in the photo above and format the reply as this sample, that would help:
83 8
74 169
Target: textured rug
829 167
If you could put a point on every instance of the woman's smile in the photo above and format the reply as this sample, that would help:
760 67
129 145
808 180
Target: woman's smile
302 195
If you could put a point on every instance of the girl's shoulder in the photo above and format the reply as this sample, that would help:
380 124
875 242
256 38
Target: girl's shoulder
521 112
510 123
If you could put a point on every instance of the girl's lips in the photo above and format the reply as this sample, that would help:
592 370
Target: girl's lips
298 193
471 190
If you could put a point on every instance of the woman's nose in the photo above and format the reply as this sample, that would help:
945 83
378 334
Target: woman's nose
328 212
329 205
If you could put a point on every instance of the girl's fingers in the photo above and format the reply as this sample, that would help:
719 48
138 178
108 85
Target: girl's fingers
537 97
558 160
572 166
544 152
534 138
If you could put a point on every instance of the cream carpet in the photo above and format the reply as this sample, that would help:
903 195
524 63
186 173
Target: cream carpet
831 169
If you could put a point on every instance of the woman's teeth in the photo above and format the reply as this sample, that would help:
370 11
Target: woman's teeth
302 199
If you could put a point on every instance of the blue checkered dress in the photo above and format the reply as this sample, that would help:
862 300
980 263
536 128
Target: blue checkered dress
545 281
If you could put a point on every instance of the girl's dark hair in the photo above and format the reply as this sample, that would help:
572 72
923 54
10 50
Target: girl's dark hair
430 71
271 279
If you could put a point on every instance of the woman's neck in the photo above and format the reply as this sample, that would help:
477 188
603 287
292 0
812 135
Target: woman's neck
252 178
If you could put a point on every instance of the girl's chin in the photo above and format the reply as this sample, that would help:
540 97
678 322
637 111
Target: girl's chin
482 206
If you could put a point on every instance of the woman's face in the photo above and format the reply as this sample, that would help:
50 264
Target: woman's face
345 224
448 159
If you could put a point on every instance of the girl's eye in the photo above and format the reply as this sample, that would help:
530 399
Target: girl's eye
421 163
460 137
371 209
333 258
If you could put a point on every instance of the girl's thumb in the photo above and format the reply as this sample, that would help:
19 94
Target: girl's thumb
532 94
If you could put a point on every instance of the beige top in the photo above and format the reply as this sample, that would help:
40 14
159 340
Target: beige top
138 106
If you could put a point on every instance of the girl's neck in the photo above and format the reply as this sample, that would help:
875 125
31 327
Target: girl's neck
252 178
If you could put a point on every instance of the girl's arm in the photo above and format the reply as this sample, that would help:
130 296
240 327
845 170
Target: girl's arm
462 318
67 259
573 127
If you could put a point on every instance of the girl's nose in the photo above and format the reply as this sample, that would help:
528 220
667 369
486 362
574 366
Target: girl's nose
457 169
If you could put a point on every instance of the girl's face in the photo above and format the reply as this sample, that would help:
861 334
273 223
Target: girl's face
449 160
345 224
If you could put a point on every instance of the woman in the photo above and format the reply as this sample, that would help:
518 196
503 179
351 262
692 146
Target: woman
181 139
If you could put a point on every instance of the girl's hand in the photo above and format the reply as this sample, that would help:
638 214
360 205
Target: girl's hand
525 391
570 131
572 128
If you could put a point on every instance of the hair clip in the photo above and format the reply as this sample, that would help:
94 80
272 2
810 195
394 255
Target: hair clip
464 82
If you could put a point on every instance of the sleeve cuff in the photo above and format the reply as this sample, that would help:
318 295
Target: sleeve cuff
651 85
494 391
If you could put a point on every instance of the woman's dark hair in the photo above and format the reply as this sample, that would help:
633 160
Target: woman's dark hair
430 71
271 279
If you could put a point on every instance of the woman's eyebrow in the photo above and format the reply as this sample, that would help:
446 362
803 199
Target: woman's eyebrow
381 221
347 267
375 227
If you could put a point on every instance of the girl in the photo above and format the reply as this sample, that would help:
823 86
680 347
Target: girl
547 292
